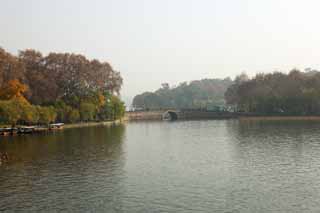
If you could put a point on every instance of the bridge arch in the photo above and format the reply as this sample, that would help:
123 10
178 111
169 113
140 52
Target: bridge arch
170 115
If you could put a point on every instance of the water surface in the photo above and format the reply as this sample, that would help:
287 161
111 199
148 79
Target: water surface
184 166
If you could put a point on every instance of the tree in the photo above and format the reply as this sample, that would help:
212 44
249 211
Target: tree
296 93
62 110
117 108
41 82
196 94
71 83
87 111
29 113
74 116
47 115
10 68
66 76
13 90
10 112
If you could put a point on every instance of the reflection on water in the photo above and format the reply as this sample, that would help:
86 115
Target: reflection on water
187 166
63 171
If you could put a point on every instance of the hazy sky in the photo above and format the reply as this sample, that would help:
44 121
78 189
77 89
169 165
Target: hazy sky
155 41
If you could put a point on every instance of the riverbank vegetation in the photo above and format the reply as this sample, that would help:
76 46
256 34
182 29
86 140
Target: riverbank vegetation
58 87
194 95
295 93
277 93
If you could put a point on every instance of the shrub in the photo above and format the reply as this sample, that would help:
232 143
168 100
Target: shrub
87 111
46 115
74 116
10 112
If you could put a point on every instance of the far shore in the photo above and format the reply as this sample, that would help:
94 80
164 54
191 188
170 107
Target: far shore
241 118
157 115
280 118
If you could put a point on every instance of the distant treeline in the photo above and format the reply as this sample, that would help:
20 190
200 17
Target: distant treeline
57 87
296 93
194 95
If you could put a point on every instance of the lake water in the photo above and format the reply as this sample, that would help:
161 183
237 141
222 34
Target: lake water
184 166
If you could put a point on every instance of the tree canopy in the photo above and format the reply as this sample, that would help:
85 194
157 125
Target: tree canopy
293 93
193 95
57 87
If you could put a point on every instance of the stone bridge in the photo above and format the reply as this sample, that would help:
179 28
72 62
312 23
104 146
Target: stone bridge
172 114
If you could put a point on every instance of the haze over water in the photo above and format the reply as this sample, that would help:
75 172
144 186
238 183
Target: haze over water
184 166
169 41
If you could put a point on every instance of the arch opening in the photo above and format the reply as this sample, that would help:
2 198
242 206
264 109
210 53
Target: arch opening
170 116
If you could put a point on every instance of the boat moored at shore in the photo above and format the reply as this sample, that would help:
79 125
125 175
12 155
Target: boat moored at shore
21 130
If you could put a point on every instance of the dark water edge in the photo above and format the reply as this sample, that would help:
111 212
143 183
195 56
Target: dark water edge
184 166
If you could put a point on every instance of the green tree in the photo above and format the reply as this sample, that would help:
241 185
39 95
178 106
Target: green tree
87 111
47 115
10 112
117 108
74 116
296 93
193 95
29 113
63 111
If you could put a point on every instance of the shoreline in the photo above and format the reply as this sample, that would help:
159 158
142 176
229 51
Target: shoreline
67 126
280 118
156 116
240 118
88 124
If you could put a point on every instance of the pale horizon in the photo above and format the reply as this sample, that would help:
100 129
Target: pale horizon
152 42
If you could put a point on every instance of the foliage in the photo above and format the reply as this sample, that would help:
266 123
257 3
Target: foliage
46 114
29 114
113 108
10 112
117 107
294 93
13 90
10 68
74 116
59 87
196 94
66 76
87 111
63 111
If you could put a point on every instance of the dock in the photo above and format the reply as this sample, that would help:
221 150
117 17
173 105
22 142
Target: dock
23 130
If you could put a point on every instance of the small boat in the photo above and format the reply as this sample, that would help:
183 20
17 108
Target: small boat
56 126
8 131
26 129
4 131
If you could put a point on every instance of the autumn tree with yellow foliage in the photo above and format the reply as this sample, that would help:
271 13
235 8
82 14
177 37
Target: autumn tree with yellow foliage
14 90
59 87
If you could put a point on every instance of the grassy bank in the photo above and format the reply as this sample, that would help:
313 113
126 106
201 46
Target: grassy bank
88 124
